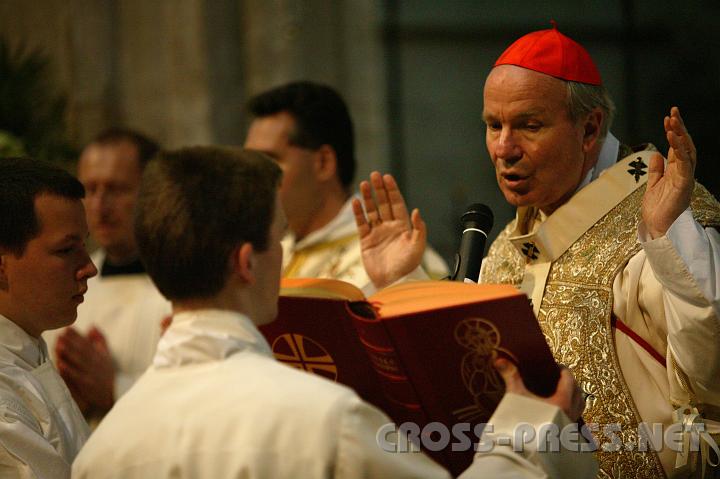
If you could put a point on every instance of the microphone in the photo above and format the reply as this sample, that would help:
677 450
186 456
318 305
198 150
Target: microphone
477 222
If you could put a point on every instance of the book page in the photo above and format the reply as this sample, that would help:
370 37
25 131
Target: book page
416 296
320 288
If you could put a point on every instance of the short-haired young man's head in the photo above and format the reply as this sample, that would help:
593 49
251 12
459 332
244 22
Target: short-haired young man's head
196 207
22 180
44 266
111 167
321 118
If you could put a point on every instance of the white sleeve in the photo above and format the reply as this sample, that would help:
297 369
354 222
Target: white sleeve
366 447
360 455
686 264
504 456
433 264
24 452
123 382
699 250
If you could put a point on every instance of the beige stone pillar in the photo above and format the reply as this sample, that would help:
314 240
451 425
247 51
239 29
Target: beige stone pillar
162 75
334 42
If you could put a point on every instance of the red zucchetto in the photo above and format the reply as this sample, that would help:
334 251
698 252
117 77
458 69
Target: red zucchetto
552 53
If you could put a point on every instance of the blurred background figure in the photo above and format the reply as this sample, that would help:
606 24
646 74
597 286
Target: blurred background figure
307 129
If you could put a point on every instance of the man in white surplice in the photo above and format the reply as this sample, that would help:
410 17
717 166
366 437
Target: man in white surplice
215 403
118 326
44 269
617 249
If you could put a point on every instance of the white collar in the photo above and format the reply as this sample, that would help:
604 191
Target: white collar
607 158
208 335
19 348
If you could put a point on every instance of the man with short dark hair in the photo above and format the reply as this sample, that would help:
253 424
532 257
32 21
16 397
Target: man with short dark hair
215 403
44 269
307 129
617 248
118 327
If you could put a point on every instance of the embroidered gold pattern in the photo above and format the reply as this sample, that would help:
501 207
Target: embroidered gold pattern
575 317
705 207
504 263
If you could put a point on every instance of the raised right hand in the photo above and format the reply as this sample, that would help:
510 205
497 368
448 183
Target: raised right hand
392 241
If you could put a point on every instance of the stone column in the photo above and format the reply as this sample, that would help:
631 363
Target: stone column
162 71
338 43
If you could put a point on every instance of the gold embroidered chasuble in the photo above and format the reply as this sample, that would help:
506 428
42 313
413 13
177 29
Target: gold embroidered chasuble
567 266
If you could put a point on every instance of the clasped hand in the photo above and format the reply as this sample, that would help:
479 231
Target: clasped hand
85 363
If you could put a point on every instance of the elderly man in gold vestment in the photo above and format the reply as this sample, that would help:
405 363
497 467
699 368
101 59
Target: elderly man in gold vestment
617 248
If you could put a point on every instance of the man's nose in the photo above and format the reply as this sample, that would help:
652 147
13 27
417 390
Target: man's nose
100 201
507 149
87 269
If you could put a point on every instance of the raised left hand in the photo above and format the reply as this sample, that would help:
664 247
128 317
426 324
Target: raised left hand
670 186
85 363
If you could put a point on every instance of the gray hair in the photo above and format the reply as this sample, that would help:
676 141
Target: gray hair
583 98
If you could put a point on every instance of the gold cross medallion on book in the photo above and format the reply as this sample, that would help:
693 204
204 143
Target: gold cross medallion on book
301 352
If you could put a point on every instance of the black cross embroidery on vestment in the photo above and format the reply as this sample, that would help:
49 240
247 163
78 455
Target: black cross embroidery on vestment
530 250
638 168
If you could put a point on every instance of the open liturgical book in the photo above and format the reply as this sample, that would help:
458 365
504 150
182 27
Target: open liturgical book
420 351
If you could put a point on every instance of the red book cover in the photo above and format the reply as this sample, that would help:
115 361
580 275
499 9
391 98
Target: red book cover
421 351
316 335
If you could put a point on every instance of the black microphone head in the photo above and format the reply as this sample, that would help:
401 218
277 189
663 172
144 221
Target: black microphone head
478 216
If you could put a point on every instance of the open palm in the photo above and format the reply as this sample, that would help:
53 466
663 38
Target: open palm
670 186
392 241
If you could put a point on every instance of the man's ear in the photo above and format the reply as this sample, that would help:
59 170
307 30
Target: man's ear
591 129
243 262
326 164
